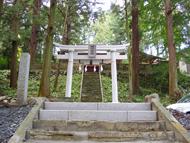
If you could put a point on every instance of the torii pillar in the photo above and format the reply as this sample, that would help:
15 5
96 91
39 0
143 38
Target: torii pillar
69 73
114 76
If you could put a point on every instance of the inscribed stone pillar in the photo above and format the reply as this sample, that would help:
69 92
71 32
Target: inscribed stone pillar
114 77
23 75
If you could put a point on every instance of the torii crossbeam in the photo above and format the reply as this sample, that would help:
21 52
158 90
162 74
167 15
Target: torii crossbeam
92 54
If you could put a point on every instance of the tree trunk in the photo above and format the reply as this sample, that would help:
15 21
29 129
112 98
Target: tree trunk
171 49
65 40
128 31
57 75
1 8
45 79
34 34
14 44
135 48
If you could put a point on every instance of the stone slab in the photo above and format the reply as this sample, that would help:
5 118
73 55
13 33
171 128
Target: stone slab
142 116
83 115
87 141
70 106
100 135
63 125
124 106
97 106
119 116
54 115
138 106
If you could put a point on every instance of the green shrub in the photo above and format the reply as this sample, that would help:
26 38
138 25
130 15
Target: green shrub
184 83
3 63
155 78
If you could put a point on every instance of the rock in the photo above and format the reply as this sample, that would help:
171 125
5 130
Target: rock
31 101
148 98
2 98
13 100
5 101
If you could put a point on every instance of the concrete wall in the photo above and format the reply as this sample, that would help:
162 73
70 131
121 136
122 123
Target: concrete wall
184 67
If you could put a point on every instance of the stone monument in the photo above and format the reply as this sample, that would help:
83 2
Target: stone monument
23 75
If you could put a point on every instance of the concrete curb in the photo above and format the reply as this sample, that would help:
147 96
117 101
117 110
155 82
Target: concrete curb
20 133
181 133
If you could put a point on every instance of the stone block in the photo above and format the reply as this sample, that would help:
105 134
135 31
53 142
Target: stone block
124 106
53 115
138 106
22 86
119 116
113 106
70 106
148 98
142 116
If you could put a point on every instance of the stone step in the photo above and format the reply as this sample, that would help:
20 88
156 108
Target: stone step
91 74
91 86
91 78
98 115
100 135
87 141
91 93
91 81
97 126
97 106
91 98
95 91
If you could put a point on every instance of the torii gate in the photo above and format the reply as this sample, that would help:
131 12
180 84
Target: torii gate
92 54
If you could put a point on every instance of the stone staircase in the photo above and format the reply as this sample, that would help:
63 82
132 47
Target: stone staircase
69 122
91 90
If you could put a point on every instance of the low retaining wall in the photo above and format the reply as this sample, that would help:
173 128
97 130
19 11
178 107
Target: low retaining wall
181 133
20 133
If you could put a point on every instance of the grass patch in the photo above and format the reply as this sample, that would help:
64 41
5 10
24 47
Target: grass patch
34 82
4 84
107 89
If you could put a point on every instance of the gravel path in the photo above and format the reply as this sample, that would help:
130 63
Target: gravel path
184 119
10 119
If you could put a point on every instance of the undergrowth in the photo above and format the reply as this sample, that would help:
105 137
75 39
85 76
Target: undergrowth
150 84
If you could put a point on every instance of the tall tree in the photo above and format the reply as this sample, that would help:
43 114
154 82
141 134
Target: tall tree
45 78
128 31
1 7
14 44
35 27
171 49
109 26
70 24
65 40
135 48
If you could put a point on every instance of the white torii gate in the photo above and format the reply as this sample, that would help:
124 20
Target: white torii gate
94 54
